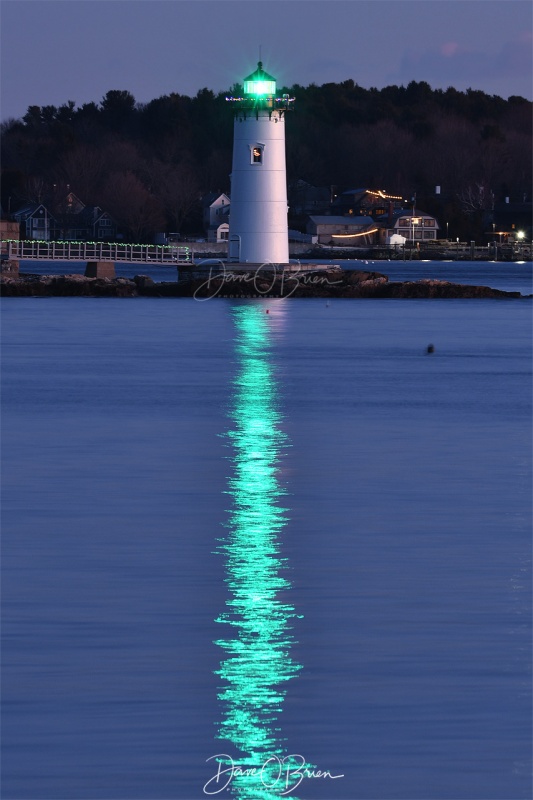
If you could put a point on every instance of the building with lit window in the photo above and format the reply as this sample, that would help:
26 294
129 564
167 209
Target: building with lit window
411 225
391 215
511 221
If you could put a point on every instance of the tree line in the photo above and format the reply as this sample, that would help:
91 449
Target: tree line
149 164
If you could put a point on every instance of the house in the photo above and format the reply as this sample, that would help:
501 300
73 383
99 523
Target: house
73 220
411 225
68 220
70 204
512 221
35 222
392 216
352 231
215 216
367 202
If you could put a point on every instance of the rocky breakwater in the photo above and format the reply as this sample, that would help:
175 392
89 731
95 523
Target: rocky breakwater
266 282
327 283
65 286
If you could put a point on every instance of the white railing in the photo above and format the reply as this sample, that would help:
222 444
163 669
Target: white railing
98 251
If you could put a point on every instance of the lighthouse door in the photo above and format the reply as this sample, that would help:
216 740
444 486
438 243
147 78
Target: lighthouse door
234 248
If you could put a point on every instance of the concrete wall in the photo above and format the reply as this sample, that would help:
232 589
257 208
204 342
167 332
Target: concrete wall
198 249
8 230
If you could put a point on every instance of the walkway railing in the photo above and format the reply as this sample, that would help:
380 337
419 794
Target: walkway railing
98 251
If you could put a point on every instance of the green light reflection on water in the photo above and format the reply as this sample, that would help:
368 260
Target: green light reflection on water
258 662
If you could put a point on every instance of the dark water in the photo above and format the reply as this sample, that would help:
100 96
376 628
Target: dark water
233 532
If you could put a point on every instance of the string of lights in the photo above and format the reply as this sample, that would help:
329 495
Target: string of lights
352 235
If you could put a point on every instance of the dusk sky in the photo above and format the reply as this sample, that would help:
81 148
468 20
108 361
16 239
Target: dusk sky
59 50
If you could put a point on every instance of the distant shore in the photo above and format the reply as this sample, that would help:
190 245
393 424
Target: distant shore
425 251
327 283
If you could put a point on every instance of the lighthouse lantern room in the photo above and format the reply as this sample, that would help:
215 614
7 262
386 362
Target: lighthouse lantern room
258 231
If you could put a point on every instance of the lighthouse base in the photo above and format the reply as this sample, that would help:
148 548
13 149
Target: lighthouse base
248 279
220 266
207 280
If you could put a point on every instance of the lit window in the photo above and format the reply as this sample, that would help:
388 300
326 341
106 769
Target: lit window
257 154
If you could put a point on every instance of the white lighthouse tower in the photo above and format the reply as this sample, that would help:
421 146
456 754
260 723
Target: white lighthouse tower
258 212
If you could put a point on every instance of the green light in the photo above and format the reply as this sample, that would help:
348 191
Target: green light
259 83
260 87
257 662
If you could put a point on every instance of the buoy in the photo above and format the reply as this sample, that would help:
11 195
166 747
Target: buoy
431 348
267 311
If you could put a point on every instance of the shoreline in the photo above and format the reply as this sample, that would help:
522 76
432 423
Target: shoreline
439 251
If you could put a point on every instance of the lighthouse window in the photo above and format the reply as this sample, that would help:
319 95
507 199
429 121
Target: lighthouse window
257 155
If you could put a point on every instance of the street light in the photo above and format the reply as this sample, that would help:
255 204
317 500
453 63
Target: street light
414 221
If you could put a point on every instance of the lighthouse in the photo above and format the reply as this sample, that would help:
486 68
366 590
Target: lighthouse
258 232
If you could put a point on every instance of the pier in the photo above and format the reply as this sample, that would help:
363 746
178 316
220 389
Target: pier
26 250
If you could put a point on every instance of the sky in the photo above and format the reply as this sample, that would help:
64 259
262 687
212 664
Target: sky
53 51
